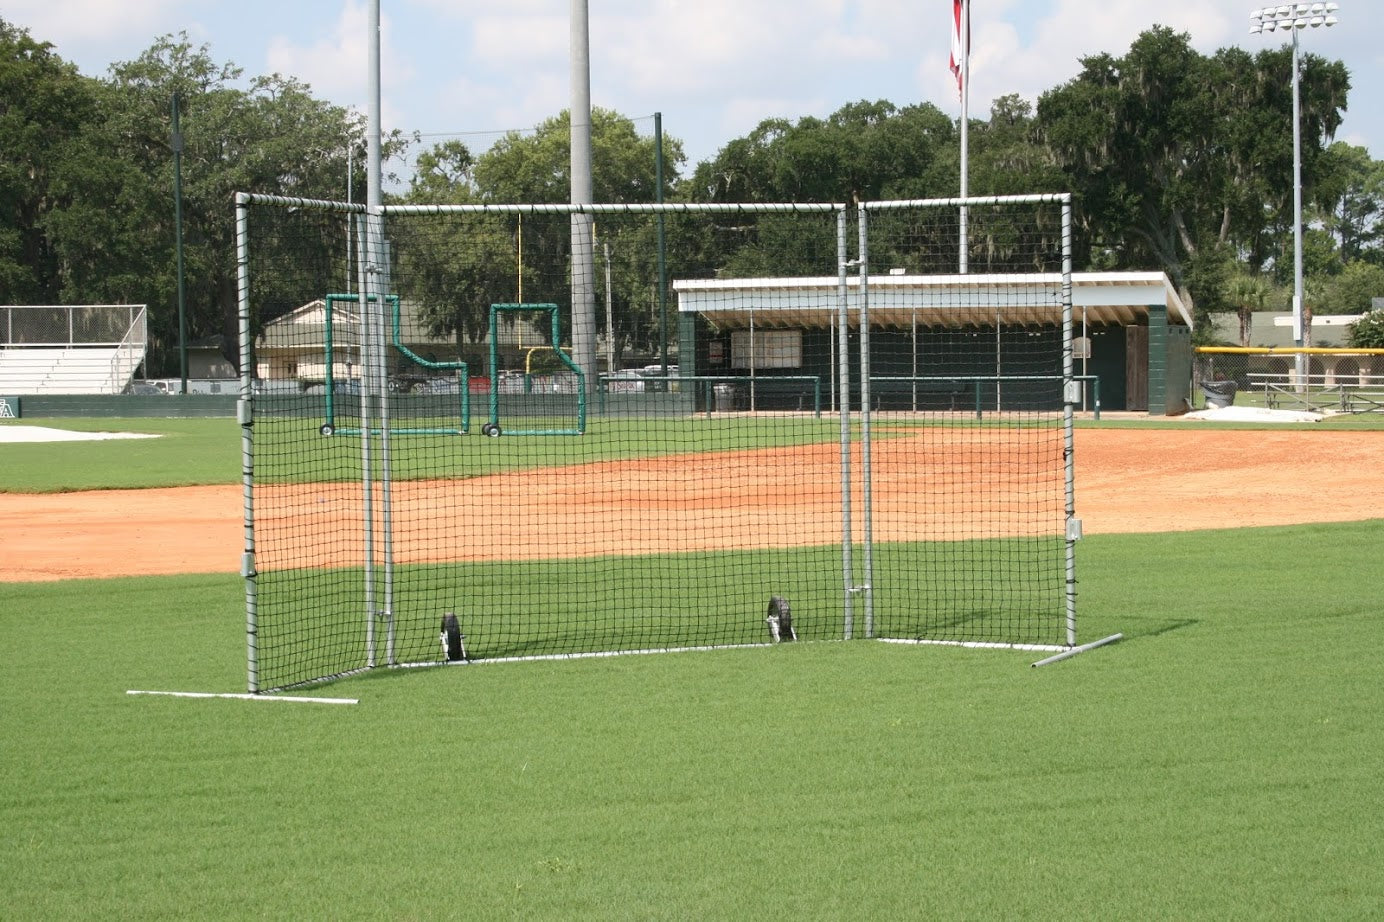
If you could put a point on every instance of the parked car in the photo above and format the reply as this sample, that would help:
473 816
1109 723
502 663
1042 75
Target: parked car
625 382
144 389
438 386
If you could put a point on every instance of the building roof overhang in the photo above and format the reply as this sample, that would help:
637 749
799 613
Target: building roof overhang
1101 298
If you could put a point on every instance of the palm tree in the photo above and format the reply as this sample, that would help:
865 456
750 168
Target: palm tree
1249 293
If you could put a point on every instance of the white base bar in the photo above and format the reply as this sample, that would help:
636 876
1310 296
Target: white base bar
1073 651
978 644
245 697
1061 651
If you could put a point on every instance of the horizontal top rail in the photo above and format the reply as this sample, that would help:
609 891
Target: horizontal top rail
1004 378
619 376
1292 379
254 198
633 208
556 208
1286 350
75 307
243 199
1063 198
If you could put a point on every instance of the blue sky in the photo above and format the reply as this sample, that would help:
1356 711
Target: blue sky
714 68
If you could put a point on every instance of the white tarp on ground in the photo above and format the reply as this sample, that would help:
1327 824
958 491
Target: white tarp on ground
47 434
1233 414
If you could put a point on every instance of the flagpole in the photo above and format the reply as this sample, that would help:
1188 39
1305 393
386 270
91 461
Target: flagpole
965 124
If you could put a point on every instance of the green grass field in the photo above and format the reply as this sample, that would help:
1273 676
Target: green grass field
206 451
188 452
1223 762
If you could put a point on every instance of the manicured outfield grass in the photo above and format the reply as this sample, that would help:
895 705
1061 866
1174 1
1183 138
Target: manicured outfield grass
1223 762
207 451
188 452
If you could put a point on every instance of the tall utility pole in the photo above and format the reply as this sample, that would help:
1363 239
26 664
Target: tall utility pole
178 224
662 248
1294 18
583 249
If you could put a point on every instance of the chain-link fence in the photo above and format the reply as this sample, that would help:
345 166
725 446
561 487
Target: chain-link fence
72 325
1341 380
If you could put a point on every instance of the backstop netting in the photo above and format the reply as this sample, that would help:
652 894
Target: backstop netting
731 439
967 373
637 512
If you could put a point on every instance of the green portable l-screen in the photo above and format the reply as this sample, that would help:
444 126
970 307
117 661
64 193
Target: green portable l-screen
329 426
546 402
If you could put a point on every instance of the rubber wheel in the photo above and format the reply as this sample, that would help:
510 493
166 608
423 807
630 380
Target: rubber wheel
327 429
451 639
491 430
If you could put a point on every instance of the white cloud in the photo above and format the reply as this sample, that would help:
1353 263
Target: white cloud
520 42
740 116
334 62
1048 51
79 22
715 68
94 34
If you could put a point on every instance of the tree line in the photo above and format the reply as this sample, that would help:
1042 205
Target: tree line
1177 160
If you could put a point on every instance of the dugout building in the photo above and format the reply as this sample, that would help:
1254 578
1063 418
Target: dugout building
1131 331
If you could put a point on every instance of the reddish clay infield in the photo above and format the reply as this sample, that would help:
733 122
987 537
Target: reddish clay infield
1127 481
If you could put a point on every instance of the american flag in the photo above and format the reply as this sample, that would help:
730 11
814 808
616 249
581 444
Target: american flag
961 13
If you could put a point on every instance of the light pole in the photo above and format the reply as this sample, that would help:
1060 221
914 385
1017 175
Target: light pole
178 224
1294 18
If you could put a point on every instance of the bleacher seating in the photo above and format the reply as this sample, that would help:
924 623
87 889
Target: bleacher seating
67 370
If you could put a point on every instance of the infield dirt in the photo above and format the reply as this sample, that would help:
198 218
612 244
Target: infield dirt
1128 480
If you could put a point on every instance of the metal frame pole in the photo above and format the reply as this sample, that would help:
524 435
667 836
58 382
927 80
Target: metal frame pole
866 485
843 381
1072 524
245 416
367 390
583 247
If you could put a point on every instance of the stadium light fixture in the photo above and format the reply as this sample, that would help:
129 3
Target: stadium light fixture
1294 18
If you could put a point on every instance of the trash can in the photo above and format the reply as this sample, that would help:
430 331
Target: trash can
725 397
1219 394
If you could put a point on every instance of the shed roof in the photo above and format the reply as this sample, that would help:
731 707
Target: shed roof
306 326
1118 298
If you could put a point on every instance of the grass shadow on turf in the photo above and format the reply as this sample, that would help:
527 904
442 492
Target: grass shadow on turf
1155 627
